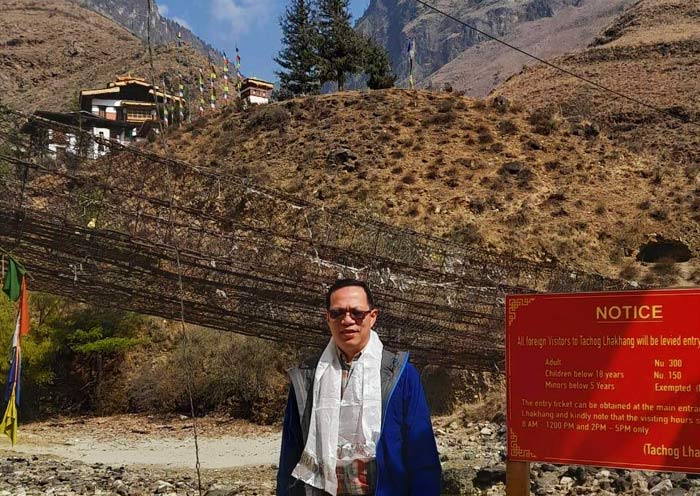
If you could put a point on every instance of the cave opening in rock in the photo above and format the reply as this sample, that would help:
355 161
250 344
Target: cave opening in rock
664 250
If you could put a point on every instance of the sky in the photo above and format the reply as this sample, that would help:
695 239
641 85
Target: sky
253 25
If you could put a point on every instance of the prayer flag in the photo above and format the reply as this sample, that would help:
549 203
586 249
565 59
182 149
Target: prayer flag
9 420
9 423
411 60
13 280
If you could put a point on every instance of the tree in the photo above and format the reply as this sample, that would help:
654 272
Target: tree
299 57
376 64
340 47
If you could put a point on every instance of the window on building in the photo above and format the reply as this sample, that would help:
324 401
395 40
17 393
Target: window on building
139 114
102 112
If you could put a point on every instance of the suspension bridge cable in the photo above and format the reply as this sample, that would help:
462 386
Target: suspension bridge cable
559 68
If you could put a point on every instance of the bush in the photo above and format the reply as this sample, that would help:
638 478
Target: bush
269 117
468 233
70 353
544 121
485 135
441 118
507 127
240 375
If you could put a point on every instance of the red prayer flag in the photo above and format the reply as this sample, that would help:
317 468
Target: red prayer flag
24 309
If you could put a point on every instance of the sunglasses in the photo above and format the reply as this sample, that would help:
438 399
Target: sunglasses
357 315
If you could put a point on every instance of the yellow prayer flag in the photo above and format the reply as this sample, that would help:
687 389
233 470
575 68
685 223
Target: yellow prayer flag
9 421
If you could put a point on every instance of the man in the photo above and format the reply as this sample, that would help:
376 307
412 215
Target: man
356 421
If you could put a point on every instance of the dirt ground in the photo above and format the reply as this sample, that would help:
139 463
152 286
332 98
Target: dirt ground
147 440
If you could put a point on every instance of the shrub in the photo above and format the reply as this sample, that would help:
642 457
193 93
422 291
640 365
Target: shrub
507 127
485 135
409 178
268 117
445 106
544 121
659 214
467 233
440 119
240 375
629 272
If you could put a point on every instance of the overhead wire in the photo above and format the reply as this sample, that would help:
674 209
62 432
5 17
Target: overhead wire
559 68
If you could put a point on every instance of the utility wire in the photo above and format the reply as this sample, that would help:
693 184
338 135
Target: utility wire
561 69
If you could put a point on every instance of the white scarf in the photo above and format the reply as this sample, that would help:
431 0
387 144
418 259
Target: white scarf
360 409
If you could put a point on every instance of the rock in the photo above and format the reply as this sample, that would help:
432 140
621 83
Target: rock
457 481
163 487
603 474
662 487
485 431
499 418
489 476
513 167
221 492
622 484
340 156
566 481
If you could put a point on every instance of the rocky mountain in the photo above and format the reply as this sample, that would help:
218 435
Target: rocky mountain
447 52
42 68
651 54
133 15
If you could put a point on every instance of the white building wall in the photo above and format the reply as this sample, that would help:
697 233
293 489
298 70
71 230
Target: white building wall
252 99
104 102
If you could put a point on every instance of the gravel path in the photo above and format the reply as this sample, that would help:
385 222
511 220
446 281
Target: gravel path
133 456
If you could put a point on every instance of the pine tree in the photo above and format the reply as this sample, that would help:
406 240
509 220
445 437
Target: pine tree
299 56
376 64
340 48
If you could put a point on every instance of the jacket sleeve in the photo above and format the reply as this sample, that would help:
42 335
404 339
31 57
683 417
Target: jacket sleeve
420 451
290 453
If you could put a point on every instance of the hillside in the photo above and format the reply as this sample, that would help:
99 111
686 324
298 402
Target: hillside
478 172
652 53
446 52
46 68
133 15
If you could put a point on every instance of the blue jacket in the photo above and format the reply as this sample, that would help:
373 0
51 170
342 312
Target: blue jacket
407 457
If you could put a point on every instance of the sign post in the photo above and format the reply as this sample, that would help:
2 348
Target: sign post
517 478
605 379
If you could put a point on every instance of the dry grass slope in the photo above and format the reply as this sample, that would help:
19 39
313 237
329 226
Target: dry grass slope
652 52
50 50
485 172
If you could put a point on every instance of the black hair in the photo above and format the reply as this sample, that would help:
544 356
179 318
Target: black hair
344 283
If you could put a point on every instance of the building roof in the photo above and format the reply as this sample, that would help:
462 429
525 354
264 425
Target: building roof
251 81
122 81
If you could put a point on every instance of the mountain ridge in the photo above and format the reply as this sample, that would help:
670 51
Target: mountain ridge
133 15
447 51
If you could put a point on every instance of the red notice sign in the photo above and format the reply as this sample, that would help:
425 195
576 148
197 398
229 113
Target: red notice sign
609 379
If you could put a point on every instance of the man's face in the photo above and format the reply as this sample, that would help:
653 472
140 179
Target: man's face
350 335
